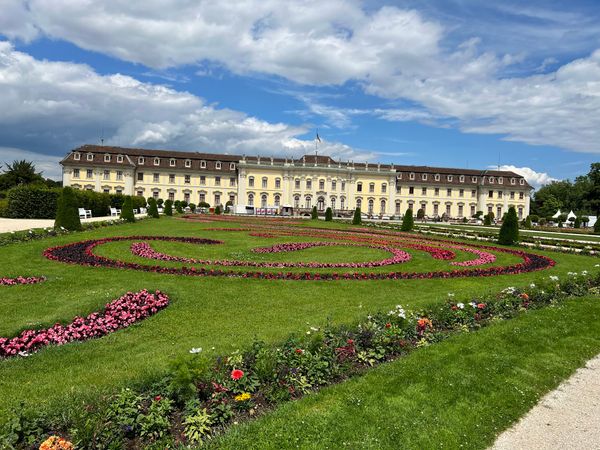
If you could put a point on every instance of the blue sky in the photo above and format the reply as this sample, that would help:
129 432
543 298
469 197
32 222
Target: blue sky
459 83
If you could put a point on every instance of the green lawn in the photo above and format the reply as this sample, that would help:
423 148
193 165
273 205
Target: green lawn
221 314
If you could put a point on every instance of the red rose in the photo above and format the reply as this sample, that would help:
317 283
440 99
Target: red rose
388 325
158 398
236 374
481 305
350 342
299 351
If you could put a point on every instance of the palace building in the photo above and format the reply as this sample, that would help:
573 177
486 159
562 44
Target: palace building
267 182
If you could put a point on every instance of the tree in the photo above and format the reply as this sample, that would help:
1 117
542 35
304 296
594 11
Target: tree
487 220
314 215
127 210
67 211
592 196
357 219
328 215
527 222
562 218
408 222
218 209
597 225
192 207
169 208
153 208
18 173
509 232
421 214
577 223
585 220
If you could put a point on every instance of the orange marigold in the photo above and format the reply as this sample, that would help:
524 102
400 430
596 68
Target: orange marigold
56 443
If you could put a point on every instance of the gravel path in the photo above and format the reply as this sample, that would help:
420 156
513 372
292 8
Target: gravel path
566 418
8 225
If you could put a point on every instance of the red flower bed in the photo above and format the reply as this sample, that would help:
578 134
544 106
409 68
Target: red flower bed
120 313
21 280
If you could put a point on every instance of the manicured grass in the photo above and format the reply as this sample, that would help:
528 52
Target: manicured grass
460 393
217 313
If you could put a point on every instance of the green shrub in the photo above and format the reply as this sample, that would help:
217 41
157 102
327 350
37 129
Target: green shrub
197 426
117 200
487 220
357 219
421 214
32 202
218 209
127 210
597 225
577 222
67 212
408 222
314 215
152 208
328 215
3 207
527 222
203 205
509 232
192 207
168 208
98 203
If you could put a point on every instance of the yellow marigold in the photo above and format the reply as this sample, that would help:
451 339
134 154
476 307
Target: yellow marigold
242 397
56 443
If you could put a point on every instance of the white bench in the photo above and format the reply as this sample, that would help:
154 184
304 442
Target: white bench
115 212
85 213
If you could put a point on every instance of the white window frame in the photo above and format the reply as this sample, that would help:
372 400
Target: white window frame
157 161
77 156
450 177
188 163
172 162
203 164
106 158
119 158
141 160
90 156
231 166
218 165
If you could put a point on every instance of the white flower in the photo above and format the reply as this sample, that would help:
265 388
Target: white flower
553 277
584 272
473 304
314 329
195 350
597 265
450 294
23 354
460 305
308 332
572 274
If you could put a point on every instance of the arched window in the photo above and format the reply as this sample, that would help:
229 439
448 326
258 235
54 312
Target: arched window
382 207
307 202
250 181
371 203
277 183
263 201
358 203
320 203
321 185
397 208
250 199
264 182
297 201
277 198
342 203
332 203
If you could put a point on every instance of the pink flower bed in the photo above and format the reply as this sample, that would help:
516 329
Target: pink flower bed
118 314
20 280
483 258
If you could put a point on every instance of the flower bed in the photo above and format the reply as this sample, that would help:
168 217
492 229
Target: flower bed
21 280
118 314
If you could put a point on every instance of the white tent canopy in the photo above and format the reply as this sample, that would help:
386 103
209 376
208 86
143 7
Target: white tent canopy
556 216
571 214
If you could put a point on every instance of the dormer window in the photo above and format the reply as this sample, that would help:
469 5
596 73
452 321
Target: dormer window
424 177
203 164
106 158
90 156
172 162
188 163
77 156
437 177
119 158
156 161
513 181
491 180
411 176
500 180
231 166
461 178
474 179
141 160
218 165
522 182
449 177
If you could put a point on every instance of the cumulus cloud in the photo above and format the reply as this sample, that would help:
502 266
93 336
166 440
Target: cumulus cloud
536 179
50 107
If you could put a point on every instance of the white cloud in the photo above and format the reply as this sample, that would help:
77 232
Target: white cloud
47 164
54 106
536 179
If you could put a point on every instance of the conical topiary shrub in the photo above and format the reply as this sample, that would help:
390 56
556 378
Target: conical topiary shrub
597 225
67 211
127 210
152 208
169 208
357 219
408 222
509 232
328 215
314 215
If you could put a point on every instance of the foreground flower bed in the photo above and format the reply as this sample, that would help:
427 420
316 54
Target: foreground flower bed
21 280
201 396
118 314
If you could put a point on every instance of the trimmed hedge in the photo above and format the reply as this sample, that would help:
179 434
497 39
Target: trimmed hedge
32 202
328 215
509 232
357 219
127 210
408 222
67 214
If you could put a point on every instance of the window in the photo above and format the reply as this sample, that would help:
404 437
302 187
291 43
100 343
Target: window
461 192
297 201
75 173
264 182
424 191
520 213
411 176
491 194
307 202
141 160
140 176
263 201
172 196
155 194
397 212
321 185
513 181
436 209
449 177
500 180
119 191
460 210
512 195
232 198
437 177
172 162
90 173
424 207
297 183
499 194
358 203
202 197
77 156
448 210
106 175
343 185
371 187
499 212
382 207
424 177
521 196
171 178
342 203
491 180
186 197
106 158
231 166
522 182
202 180
474 179
218 165
140 193
187 179
411 205
277 183
371 203
120 158
309 184
90 157
489 209
332 202
156 178
411 190
119 175
398 189
461 179
436 192
251 182
217 199
383 188
188 163
232 181
449 192
217 181
333 185
203 164
157 161
277 198
473 193
472 210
